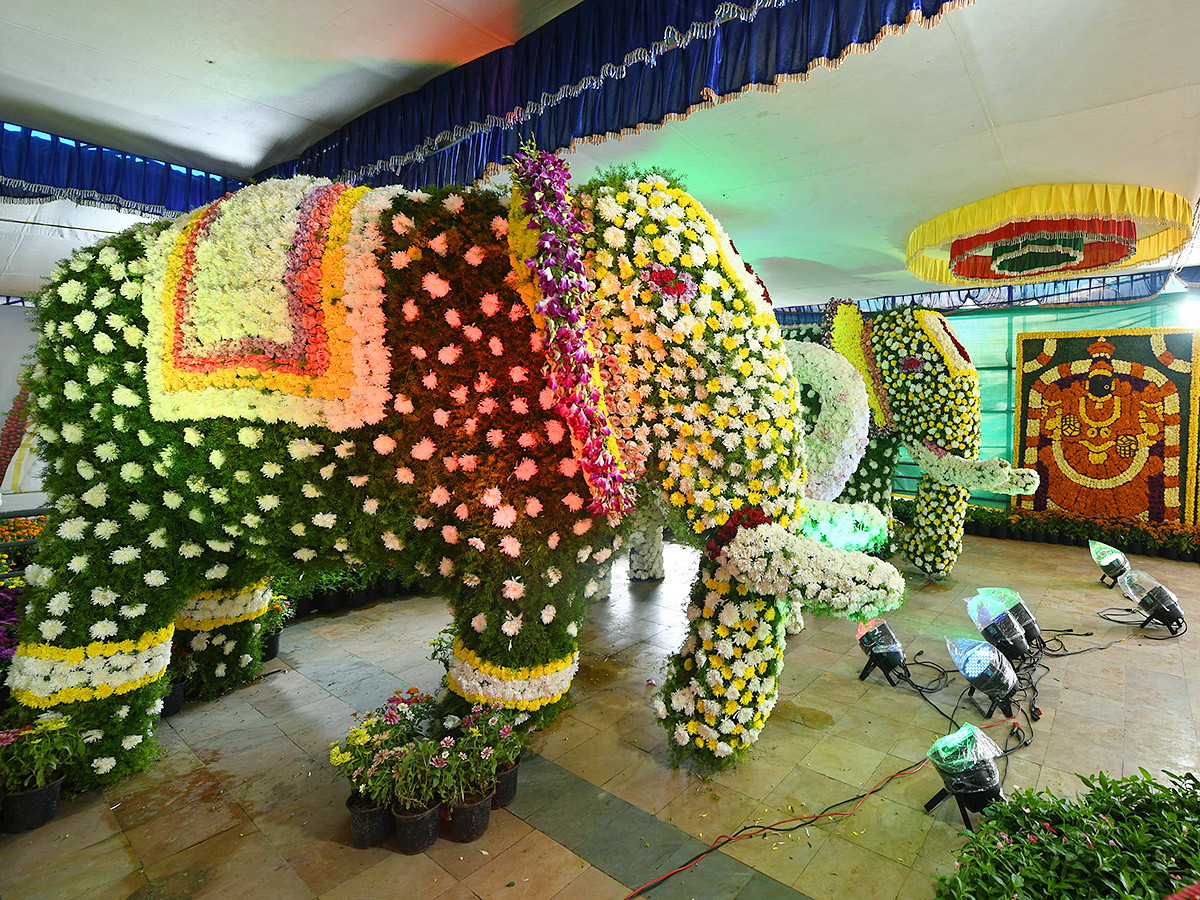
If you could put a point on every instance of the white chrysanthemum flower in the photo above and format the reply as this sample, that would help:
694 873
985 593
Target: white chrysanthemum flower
133 611
123 555
172 500
155 578
130 741
51 628
103 343
268 502
304 554
216 459
324 520
59 603
105 628
123 396
157 538
78 564
72 433
573 629
73 529
199 641
244 660
271 469
311 491
302 448
105 529
189 550
104 764
299 529
217 572
249 437
139 510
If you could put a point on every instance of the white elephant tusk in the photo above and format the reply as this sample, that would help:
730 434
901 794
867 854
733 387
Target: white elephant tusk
996 475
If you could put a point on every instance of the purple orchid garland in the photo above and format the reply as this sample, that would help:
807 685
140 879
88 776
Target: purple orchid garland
559 273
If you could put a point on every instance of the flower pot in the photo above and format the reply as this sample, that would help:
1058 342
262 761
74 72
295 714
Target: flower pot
467 822
984 530
30 809
416 831
506 786
173 701
370 826
328 602
1001 531
271 646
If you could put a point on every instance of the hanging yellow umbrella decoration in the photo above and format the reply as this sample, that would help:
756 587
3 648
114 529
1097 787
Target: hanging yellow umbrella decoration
1049 231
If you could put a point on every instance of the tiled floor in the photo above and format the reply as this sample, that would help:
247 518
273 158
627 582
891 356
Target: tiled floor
244 802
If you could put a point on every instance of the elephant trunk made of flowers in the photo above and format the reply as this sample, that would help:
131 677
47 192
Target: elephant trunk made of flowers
923 392
459 385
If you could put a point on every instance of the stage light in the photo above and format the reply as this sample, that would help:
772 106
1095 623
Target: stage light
1153 598
884 650
1018 610
987 671
1112 562
966 760
997 625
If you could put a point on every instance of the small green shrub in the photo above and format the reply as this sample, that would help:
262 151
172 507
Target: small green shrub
1128 839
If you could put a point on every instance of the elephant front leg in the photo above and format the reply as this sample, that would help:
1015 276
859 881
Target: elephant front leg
646 553
933 539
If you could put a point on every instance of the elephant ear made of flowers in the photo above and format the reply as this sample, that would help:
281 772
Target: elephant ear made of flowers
704 405
923 392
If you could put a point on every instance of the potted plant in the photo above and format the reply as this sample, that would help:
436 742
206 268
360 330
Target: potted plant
469 764
32 757
278 611
417 775
363 757
508 741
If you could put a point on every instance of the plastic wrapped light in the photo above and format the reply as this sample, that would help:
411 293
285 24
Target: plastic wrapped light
1018 610
884 650
986 669
1153 598
1112 562
998 627
966 760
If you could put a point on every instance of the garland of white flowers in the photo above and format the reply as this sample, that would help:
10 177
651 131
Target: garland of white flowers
208 610
526 689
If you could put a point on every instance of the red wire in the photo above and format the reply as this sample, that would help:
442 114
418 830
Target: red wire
765 828
1011 718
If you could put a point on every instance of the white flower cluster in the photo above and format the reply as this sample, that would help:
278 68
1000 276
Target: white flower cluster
212 609
44 678
533 692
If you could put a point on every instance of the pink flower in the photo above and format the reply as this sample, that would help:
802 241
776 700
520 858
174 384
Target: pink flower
404 475
468 462
525 469
479 623
472 333
418 352
449 354
487 405
410 311
402 223
459 394
449 534
519 406
513 589
548 614
533 506
499 226
421 523
438 246
477 543
446 567
470 425
400 260
358 480
495 346
484 383
391 541
516 312
490 305
495 437
423 449
370 506
491 497
568 466
462 512
453 203
582 526
474 256
441 417
403 405
510 546
527 439
450 462
504 517
512 624
555 431
518 374
546 398
435 285
452 318
573 502
430 381
439 496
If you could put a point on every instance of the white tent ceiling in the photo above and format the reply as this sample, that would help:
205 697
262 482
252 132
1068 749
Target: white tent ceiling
819 184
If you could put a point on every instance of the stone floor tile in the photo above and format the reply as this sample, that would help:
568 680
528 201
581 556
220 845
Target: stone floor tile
534 868
840 863
98 864
163 820
239 862
708 809
81 822
844 760
648 783
419 877
460 860
592 884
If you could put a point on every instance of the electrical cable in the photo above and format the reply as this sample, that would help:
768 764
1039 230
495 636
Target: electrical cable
801 821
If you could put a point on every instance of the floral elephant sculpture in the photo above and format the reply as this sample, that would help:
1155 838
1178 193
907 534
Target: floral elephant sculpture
923 392
460 385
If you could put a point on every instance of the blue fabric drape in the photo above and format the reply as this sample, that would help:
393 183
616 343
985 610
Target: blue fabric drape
35 166
1096 291
603 66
